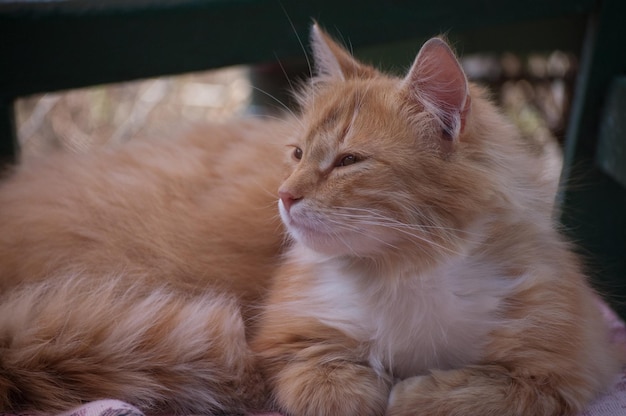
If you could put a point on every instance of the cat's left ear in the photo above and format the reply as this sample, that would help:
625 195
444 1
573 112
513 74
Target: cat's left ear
438 82
333 60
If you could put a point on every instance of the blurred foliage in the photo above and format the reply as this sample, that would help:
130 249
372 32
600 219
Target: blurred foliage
78 119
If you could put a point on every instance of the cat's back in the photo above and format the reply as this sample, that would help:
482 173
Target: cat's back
166 209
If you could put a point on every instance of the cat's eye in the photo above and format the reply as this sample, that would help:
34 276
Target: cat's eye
347 160
297 153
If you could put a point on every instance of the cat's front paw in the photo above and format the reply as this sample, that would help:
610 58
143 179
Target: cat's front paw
402 395
331 389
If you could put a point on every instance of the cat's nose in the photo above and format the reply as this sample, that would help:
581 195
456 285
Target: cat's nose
288 199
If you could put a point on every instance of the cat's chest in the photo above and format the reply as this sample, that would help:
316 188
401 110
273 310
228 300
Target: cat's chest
412 322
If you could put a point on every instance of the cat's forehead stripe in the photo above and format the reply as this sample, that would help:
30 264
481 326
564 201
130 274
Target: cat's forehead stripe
341 114
348 127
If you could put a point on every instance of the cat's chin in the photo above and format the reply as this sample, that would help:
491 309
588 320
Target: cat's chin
323 244
332 247
327 240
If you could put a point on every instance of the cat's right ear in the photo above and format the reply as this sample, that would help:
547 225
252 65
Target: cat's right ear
437 82
334 61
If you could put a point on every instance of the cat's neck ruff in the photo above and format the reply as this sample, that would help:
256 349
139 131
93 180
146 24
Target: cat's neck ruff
411 319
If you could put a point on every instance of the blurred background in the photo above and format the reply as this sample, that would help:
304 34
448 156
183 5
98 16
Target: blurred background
534 90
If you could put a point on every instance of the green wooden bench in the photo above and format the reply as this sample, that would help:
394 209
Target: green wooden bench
54 45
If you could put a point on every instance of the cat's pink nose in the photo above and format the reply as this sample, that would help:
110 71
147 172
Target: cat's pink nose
288 199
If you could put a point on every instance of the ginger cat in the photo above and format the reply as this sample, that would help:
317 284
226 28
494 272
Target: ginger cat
423 273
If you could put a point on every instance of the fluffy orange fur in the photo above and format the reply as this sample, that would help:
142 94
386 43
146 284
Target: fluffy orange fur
128 272
422 274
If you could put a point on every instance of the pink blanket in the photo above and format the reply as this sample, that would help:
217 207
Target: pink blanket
612 403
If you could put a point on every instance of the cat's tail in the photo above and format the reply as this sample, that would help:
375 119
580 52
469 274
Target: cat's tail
64 344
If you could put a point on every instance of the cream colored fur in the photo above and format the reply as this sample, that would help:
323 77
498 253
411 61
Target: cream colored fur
416 269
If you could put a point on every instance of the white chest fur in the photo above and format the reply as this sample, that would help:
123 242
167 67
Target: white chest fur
410 322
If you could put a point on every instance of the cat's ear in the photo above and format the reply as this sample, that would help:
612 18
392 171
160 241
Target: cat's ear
438 82
334 61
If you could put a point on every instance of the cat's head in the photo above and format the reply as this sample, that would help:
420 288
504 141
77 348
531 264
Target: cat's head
384 162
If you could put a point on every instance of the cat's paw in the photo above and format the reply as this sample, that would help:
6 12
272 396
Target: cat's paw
402 395
477 391
331 389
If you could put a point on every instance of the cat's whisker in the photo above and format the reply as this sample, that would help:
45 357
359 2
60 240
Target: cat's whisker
273 200
282 104
381 220
424 240
428 229
269 117
354 228
393 226
293 27
338 236
282 68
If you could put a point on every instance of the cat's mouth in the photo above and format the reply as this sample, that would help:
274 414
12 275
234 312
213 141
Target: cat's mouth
308 227
301 221
323 234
